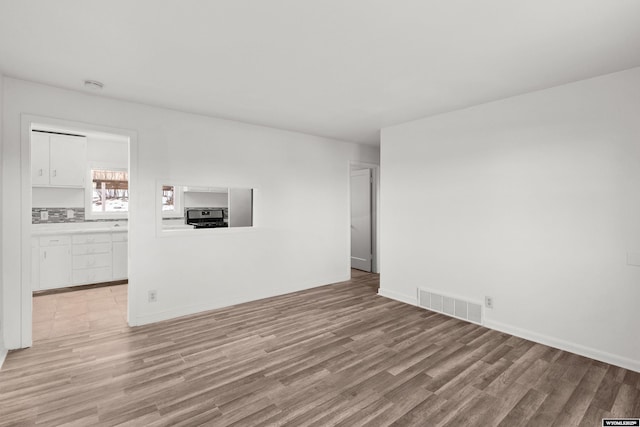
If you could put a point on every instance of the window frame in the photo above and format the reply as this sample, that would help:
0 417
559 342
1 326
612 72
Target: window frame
177 211
88 205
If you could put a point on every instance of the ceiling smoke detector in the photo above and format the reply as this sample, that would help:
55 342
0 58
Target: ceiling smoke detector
93 85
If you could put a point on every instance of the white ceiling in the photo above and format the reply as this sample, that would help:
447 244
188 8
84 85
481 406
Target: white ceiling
337 68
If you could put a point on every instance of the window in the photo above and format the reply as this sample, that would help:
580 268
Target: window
168 198
109 191
171 201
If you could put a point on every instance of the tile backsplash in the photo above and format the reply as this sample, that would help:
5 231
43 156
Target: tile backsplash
56 215
59 216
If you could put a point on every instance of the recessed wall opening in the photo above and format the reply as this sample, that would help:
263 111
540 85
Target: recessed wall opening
363 179
77 239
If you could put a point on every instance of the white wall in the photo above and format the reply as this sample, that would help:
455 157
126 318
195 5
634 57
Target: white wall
112 152
2 317
45 197
533 200
301 233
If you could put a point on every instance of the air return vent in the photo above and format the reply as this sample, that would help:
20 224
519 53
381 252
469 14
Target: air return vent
455 307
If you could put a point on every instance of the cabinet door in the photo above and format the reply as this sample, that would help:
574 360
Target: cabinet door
39 158
55 266
120 260
68 160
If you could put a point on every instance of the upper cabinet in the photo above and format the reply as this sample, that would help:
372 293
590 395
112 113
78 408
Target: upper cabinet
39 158
58 160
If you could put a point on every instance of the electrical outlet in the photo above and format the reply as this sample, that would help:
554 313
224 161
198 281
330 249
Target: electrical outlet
153 296
71 213
488 302
44 215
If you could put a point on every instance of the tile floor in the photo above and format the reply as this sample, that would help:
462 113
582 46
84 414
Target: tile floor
79 311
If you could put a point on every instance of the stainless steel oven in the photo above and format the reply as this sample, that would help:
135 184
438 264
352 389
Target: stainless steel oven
206 217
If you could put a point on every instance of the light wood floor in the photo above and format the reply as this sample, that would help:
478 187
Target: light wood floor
334 355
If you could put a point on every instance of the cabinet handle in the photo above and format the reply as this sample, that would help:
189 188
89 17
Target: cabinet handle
40 172
45 254
55 172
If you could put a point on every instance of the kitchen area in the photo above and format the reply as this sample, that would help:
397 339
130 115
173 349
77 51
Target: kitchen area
79 233
79 227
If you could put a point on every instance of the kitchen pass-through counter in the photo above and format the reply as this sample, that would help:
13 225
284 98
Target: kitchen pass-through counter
72 254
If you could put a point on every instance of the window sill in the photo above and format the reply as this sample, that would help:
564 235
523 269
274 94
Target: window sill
98 217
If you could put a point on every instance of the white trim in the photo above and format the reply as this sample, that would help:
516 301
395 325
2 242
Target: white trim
145 319
398 297
178 211
26 296
578 349
26 300
162 215
581 350
3 356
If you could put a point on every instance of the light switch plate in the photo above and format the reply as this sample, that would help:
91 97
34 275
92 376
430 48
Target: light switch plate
633 258
44 215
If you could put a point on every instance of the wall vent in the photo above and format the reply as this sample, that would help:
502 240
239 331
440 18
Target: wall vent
454 307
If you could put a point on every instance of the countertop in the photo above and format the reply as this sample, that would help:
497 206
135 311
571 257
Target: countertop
79 228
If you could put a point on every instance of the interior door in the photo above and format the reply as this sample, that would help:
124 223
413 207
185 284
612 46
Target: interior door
361 219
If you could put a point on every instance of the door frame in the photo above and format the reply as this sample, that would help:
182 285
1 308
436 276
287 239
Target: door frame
26 293
375 212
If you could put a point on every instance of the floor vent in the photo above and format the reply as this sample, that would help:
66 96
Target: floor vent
454 307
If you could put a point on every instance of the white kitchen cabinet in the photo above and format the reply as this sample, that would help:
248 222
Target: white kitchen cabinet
39 158
68 160
92 261
120 256
65 260
55 262
91 258
58 160
90 239
91 275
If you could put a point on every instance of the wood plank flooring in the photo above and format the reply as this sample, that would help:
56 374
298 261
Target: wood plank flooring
333 355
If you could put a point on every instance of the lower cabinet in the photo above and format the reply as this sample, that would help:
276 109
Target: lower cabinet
120 256
55 262
79 259
91 275
91 258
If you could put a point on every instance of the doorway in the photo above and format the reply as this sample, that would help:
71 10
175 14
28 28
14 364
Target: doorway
85 287
363 217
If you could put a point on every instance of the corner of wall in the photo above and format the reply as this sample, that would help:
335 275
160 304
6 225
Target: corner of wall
3 351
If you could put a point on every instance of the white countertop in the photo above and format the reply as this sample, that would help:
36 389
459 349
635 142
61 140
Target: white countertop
79 228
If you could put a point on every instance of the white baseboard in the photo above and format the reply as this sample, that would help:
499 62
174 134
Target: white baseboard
3 355
397 296
581 350
158 316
